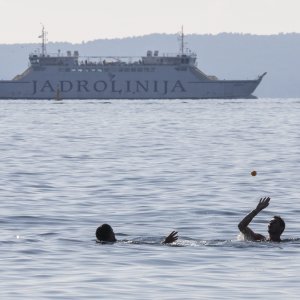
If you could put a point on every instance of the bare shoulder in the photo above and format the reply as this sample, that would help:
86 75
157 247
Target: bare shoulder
259 237
250 235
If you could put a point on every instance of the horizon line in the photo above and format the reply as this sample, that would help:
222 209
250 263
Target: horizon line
156 33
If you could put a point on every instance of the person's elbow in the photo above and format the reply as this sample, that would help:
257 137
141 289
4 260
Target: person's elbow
241 227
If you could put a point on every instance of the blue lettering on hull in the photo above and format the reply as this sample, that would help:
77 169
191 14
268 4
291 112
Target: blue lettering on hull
101 86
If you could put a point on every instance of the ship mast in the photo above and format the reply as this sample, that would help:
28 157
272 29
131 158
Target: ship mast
43 36
182 43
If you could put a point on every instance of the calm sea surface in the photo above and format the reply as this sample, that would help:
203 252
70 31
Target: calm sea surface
147 168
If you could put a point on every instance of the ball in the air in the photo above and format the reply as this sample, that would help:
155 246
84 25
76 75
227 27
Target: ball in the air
253 173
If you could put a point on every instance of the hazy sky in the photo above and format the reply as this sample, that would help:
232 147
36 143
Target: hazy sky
77 21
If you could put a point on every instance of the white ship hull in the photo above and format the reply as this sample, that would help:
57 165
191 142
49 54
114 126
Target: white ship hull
150 77
163 83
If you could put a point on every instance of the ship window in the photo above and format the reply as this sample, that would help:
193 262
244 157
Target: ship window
133 69
140 69
120 70
126 70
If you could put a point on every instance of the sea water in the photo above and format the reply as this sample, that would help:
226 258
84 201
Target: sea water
146 168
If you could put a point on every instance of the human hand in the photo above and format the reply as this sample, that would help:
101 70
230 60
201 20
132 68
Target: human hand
172 237
263 203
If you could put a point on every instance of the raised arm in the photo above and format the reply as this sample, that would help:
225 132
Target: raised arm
243 225
172 237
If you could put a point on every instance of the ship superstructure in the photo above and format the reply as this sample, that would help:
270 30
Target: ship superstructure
153 76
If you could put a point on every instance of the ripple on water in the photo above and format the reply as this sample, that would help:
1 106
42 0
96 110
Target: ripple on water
147 168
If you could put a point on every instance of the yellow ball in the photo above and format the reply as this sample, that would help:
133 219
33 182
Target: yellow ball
253 173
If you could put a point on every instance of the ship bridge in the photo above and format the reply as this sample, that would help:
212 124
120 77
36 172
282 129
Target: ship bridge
180 59
57 60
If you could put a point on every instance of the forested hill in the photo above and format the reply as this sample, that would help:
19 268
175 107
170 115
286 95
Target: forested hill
228 56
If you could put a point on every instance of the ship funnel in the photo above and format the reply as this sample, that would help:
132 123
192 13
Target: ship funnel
76 53
156 53
69 53
149 53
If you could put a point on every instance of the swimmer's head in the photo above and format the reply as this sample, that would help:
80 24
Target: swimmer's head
105 233
276 226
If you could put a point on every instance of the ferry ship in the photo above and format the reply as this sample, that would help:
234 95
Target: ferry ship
152 76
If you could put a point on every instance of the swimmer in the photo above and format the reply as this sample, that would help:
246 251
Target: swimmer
105 233
275 228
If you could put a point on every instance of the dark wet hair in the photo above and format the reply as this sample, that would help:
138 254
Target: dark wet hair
281 222
104 233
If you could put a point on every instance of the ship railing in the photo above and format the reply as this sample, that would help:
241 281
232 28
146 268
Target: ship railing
185 54
108 60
